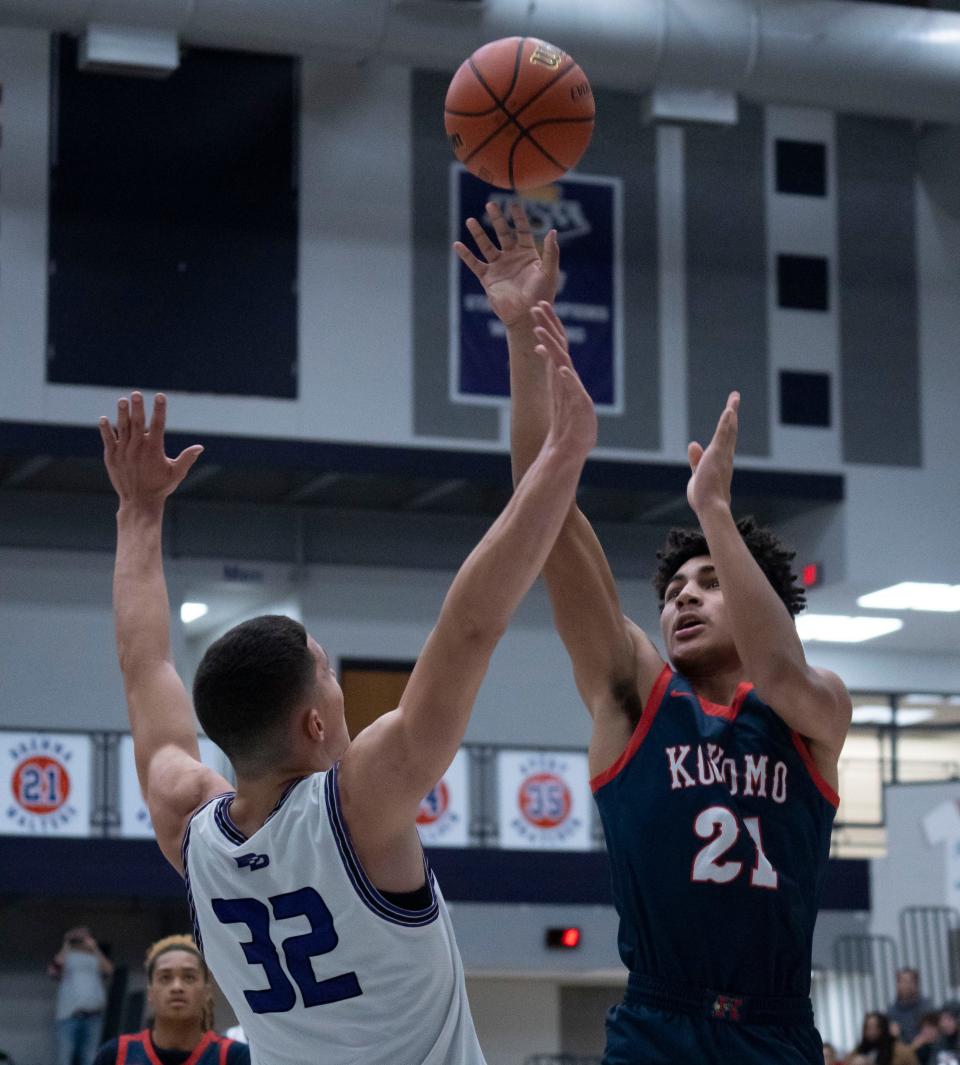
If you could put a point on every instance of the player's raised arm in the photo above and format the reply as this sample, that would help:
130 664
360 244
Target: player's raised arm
813 702
171 776
393 763
614 663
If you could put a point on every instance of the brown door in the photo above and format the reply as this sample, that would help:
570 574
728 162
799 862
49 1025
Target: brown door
371 689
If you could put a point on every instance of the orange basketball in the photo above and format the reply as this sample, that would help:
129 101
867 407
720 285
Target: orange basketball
519 113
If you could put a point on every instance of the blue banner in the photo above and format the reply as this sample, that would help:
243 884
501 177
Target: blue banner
586 213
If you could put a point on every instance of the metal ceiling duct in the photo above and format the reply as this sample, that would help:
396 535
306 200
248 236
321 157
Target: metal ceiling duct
867 58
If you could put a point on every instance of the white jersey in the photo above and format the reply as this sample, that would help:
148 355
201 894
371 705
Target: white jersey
320 968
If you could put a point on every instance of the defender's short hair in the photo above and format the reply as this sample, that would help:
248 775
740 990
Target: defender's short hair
771 556
247 684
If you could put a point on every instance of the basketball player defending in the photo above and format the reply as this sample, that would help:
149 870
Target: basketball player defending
715 775
313 902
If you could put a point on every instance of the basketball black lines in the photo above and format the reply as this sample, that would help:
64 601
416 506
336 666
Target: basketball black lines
512 117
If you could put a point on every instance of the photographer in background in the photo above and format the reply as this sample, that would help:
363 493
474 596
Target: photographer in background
82 969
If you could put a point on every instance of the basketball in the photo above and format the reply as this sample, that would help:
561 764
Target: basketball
519 113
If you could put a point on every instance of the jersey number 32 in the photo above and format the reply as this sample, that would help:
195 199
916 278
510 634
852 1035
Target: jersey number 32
298 951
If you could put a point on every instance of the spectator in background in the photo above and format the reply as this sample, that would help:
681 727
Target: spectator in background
925 1038
81 969
909 1006
830 1054
879 1046
180 996
946 1049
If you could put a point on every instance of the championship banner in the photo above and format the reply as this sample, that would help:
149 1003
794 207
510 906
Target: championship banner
586 212
544 800
48 783
444 816
134 818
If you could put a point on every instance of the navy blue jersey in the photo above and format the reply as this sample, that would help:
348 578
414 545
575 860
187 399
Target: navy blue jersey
139 1049
718 828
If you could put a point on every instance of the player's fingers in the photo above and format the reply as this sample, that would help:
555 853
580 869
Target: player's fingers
469 260
694 454
553 349
107 435
187 458
123 420
521 225
137 417
488 249
551 254
158 420
545 314
500 226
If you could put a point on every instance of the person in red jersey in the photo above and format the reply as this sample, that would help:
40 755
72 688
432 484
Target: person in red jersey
714 764
179 993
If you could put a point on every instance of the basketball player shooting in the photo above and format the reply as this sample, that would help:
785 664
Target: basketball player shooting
716 774
313 901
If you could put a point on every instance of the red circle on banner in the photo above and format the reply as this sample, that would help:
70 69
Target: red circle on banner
40 784
434 805
544 800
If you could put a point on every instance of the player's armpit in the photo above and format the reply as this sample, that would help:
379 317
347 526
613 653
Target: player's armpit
381 785
176 784
815 703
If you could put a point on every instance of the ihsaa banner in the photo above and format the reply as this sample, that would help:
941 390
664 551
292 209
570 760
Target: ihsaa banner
587 215
134 817
544 800
48 780
444 816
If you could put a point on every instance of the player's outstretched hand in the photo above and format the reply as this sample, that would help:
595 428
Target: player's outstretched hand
711 469
515 276
134 456
573 419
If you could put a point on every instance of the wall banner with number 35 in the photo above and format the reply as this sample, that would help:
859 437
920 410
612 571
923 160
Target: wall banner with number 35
544 800
47 784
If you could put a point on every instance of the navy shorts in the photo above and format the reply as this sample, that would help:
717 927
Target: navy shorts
644 1035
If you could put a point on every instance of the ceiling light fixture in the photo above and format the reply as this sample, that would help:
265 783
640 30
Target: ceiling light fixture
841 628
192 611
914 595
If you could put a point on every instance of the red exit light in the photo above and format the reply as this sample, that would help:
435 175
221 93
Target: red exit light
811 575
564 938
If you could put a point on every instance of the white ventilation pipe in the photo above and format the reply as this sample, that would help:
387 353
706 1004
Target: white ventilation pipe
866 58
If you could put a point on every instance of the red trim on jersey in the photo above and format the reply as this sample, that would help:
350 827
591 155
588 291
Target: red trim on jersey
815 775
145 1040
652 705
728 713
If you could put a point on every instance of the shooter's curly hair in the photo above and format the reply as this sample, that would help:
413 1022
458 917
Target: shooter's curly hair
187 943
768 551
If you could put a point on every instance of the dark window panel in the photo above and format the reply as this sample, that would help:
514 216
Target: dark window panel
801 168
803 282
173 226
805 399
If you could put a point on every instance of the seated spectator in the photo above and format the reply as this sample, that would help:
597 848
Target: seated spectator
925 1038
179 994
878 1045
909 1006
946 1049
81 969
830 1054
